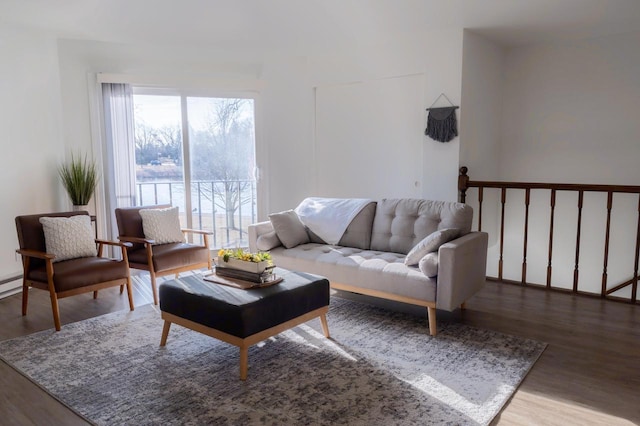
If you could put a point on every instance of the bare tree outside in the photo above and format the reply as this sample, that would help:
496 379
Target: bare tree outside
157 144
223 152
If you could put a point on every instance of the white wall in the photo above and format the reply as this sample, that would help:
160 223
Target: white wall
483 79
368 143
372 65
571 112
288 132
31 138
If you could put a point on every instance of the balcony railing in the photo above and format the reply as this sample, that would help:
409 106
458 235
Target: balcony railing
226 208
567 220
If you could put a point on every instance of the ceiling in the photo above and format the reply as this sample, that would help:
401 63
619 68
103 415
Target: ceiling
305 25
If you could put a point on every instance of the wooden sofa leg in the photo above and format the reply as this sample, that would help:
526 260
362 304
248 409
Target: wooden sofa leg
431 314
165 332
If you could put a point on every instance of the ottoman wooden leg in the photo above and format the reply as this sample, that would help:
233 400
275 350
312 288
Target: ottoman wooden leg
165 332
325 326
244 362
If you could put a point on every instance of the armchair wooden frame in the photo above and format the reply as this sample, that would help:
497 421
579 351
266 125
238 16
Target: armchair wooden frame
27 255
148 246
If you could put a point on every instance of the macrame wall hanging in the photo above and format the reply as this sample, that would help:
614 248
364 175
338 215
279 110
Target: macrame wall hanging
441 122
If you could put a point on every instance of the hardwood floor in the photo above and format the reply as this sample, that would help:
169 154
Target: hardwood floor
588 375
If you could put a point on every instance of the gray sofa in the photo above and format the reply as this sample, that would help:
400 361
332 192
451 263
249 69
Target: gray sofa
370 257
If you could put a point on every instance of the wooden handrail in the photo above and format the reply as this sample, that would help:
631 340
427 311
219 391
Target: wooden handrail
465 183
629 189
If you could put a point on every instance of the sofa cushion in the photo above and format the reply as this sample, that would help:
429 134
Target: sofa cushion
370 269
430 243
289 229
68 237
75 273
162 225
399 224
171 256
429 264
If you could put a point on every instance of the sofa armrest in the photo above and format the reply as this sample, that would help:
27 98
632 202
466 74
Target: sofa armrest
462 269
255 231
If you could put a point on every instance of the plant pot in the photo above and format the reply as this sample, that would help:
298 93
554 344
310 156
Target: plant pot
243 265
81 208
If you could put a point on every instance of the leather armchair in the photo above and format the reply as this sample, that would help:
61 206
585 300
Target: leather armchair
159 259
68 277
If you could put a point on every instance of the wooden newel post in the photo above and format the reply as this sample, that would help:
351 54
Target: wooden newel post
463 181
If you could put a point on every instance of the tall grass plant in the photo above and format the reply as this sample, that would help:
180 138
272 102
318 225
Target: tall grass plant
79 177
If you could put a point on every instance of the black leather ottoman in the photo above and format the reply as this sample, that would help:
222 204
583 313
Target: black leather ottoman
244 317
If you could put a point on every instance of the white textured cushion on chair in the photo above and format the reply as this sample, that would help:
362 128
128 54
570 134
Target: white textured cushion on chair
162 225
430 243
68 237
429 264
289 228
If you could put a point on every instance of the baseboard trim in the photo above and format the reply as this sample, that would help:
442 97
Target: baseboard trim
7 288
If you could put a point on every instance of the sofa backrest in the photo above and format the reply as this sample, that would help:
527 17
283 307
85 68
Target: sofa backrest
399 224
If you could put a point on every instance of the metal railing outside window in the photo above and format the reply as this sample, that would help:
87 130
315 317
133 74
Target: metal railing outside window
226 208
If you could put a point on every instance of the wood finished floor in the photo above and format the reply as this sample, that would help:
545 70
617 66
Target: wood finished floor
588 375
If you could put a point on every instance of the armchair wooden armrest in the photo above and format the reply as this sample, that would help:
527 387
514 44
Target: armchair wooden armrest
115 243
137 240
197 231
122 244
35 253
205 234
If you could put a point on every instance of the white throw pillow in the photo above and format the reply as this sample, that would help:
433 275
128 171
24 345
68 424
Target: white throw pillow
289 229
429 244
429 264
162 225
69 237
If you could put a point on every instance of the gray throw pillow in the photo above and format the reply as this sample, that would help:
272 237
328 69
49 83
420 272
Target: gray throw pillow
429 244
268 241
289 229
429 264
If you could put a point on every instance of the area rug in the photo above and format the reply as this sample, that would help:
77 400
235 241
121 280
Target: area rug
379 368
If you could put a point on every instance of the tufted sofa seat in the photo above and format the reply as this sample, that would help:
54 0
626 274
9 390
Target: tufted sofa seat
380 270
370 257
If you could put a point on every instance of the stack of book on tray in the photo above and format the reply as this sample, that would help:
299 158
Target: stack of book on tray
239 274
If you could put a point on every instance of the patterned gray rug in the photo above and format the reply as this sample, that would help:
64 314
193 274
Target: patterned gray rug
379 368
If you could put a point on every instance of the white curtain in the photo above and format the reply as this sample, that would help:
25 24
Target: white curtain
119 150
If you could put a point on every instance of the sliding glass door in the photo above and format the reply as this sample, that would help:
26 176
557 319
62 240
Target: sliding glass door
198 153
